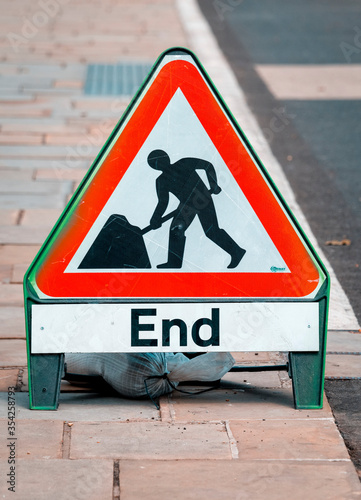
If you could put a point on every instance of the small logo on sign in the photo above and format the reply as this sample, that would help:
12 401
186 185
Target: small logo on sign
275 269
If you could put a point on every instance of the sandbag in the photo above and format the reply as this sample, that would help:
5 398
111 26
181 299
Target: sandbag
137 375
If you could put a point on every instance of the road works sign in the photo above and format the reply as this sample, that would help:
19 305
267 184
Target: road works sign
207 174
177 238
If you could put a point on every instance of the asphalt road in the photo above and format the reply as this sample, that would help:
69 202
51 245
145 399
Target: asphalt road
316 139
319 146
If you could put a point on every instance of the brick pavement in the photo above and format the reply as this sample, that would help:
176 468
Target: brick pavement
244 440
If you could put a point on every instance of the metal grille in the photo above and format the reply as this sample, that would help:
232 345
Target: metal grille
115 79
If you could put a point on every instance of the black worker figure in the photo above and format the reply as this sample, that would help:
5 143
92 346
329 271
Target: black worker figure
182 180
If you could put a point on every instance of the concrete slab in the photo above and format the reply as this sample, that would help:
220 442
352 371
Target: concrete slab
13 352
248 403
39 439
343 365
60 479
12 322
83 407
306 439
343 341
237 480
146 440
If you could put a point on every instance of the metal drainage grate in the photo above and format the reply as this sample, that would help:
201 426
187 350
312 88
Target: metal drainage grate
115 79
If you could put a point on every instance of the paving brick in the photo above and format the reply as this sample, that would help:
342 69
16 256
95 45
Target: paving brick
26 200
301 439
250 402
69 174
149 440
85 407
34 187
260 358
15 174
338 365
13 352
33 164
258 379
9 69
12 322
46 151
18 272
21 139
252 358
75 139
8 378
42 479
52 93
6 272
92 115
39 439
70 84
110 103
26 79
42 127
94 122
237 480
9 91
18 254
36 83
9 217
23 112
15 98
10 81
40 217
48 70
23 235
105 128
11 295
66 386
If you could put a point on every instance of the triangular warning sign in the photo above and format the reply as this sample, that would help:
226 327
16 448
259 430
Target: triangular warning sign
176 205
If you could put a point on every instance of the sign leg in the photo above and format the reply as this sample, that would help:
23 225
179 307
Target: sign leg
45 373
307 369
